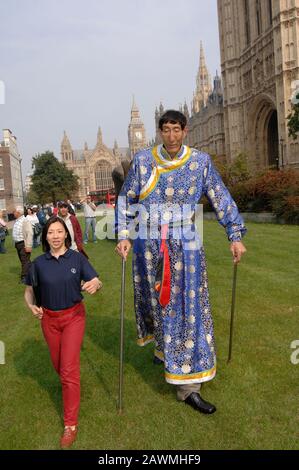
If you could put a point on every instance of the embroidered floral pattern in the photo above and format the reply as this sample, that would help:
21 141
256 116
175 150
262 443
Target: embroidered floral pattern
183 331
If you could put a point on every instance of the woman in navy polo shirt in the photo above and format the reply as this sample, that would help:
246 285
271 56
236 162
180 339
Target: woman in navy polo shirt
60 272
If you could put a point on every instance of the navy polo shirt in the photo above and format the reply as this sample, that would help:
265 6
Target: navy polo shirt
60 278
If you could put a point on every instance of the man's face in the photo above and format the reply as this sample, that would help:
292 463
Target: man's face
63 211
88 199
173 136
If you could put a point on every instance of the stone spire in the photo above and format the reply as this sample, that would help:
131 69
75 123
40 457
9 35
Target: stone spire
134 105
66 148
136 130
135 115
99 138
202 60
217 83
217 94
158 114
115 149
203 84
65 143
186 110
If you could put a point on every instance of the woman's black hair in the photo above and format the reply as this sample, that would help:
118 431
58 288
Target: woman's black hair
174 117
52 220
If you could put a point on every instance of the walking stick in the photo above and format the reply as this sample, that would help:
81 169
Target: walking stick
232 314
121 343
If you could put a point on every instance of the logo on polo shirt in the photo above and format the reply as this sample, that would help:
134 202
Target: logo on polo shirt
73 270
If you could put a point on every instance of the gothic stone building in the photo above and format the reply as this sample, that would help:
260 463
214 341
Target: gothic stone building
11 191
94 167
205 123
259 42
206 126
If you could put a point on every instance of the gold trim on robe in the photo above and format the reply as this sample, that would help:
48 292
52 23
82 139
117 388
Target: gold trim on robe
163 166
177 379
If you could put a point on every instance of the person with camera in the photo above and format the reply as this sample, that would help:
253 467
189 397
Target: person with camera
36 226
89 209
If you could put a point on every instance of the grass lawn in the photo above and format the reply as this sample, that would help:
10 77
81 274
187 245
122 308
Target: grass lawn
256 395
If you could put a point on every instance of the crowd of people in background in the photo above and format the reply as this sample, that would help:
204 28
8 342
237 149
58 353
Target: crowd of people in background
31 219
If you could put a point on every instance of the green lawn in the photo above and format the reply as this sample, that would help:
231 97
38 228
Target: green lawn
256 395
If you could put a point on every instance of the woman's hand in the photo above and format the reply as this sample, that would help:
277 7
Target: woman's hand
37 312
92 286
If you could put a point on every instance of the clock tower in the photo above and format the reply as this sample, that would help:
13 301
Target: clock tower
136 131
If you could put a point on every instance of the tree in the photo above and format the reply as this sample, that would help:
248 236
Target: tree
52 180
31 197
293 118
238 170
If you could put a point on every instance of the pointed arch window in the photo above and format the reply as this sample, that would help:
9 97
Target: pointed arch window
103 178
247 23
270 12
258 10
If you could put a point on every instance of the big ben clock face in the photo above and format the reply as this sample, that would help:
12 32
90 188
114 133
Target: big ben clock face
138 135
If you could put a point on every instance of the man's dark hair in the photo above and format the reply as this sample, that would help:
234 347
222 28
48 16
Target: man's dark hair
52 220
63 204
173 117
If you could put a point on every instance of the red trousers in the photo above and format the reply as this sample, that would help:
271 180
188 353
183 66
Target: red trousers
63 332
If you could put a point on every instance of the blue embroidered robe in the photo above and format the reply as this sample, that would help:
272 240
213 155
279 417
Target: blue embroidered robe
183 331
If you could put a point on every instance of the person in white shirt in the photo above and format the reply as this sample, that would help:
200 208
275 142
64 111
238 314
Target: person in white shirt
22 235
33 219
90 218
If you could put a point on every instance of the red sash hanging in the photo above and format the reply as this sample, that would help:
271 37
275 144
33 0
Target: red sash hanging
163 277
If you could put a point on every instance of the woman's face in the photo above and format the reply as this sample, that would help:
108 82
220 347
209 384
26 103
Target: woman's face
56 236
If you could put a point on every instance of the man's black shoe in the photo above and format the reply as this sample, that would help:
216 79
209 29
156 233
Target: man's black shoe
195 400
157 361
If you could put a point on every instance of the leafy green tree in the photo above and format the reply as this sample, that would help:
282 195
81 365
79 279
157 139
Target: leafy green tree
31 197
238 170
293 119
52 180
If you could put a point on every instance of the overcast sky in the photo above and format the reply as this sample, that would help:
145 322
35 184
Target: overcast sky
74 65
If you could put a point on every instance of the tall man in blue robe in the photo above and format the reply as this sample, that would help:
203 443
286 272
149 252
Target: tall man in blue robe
172 305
